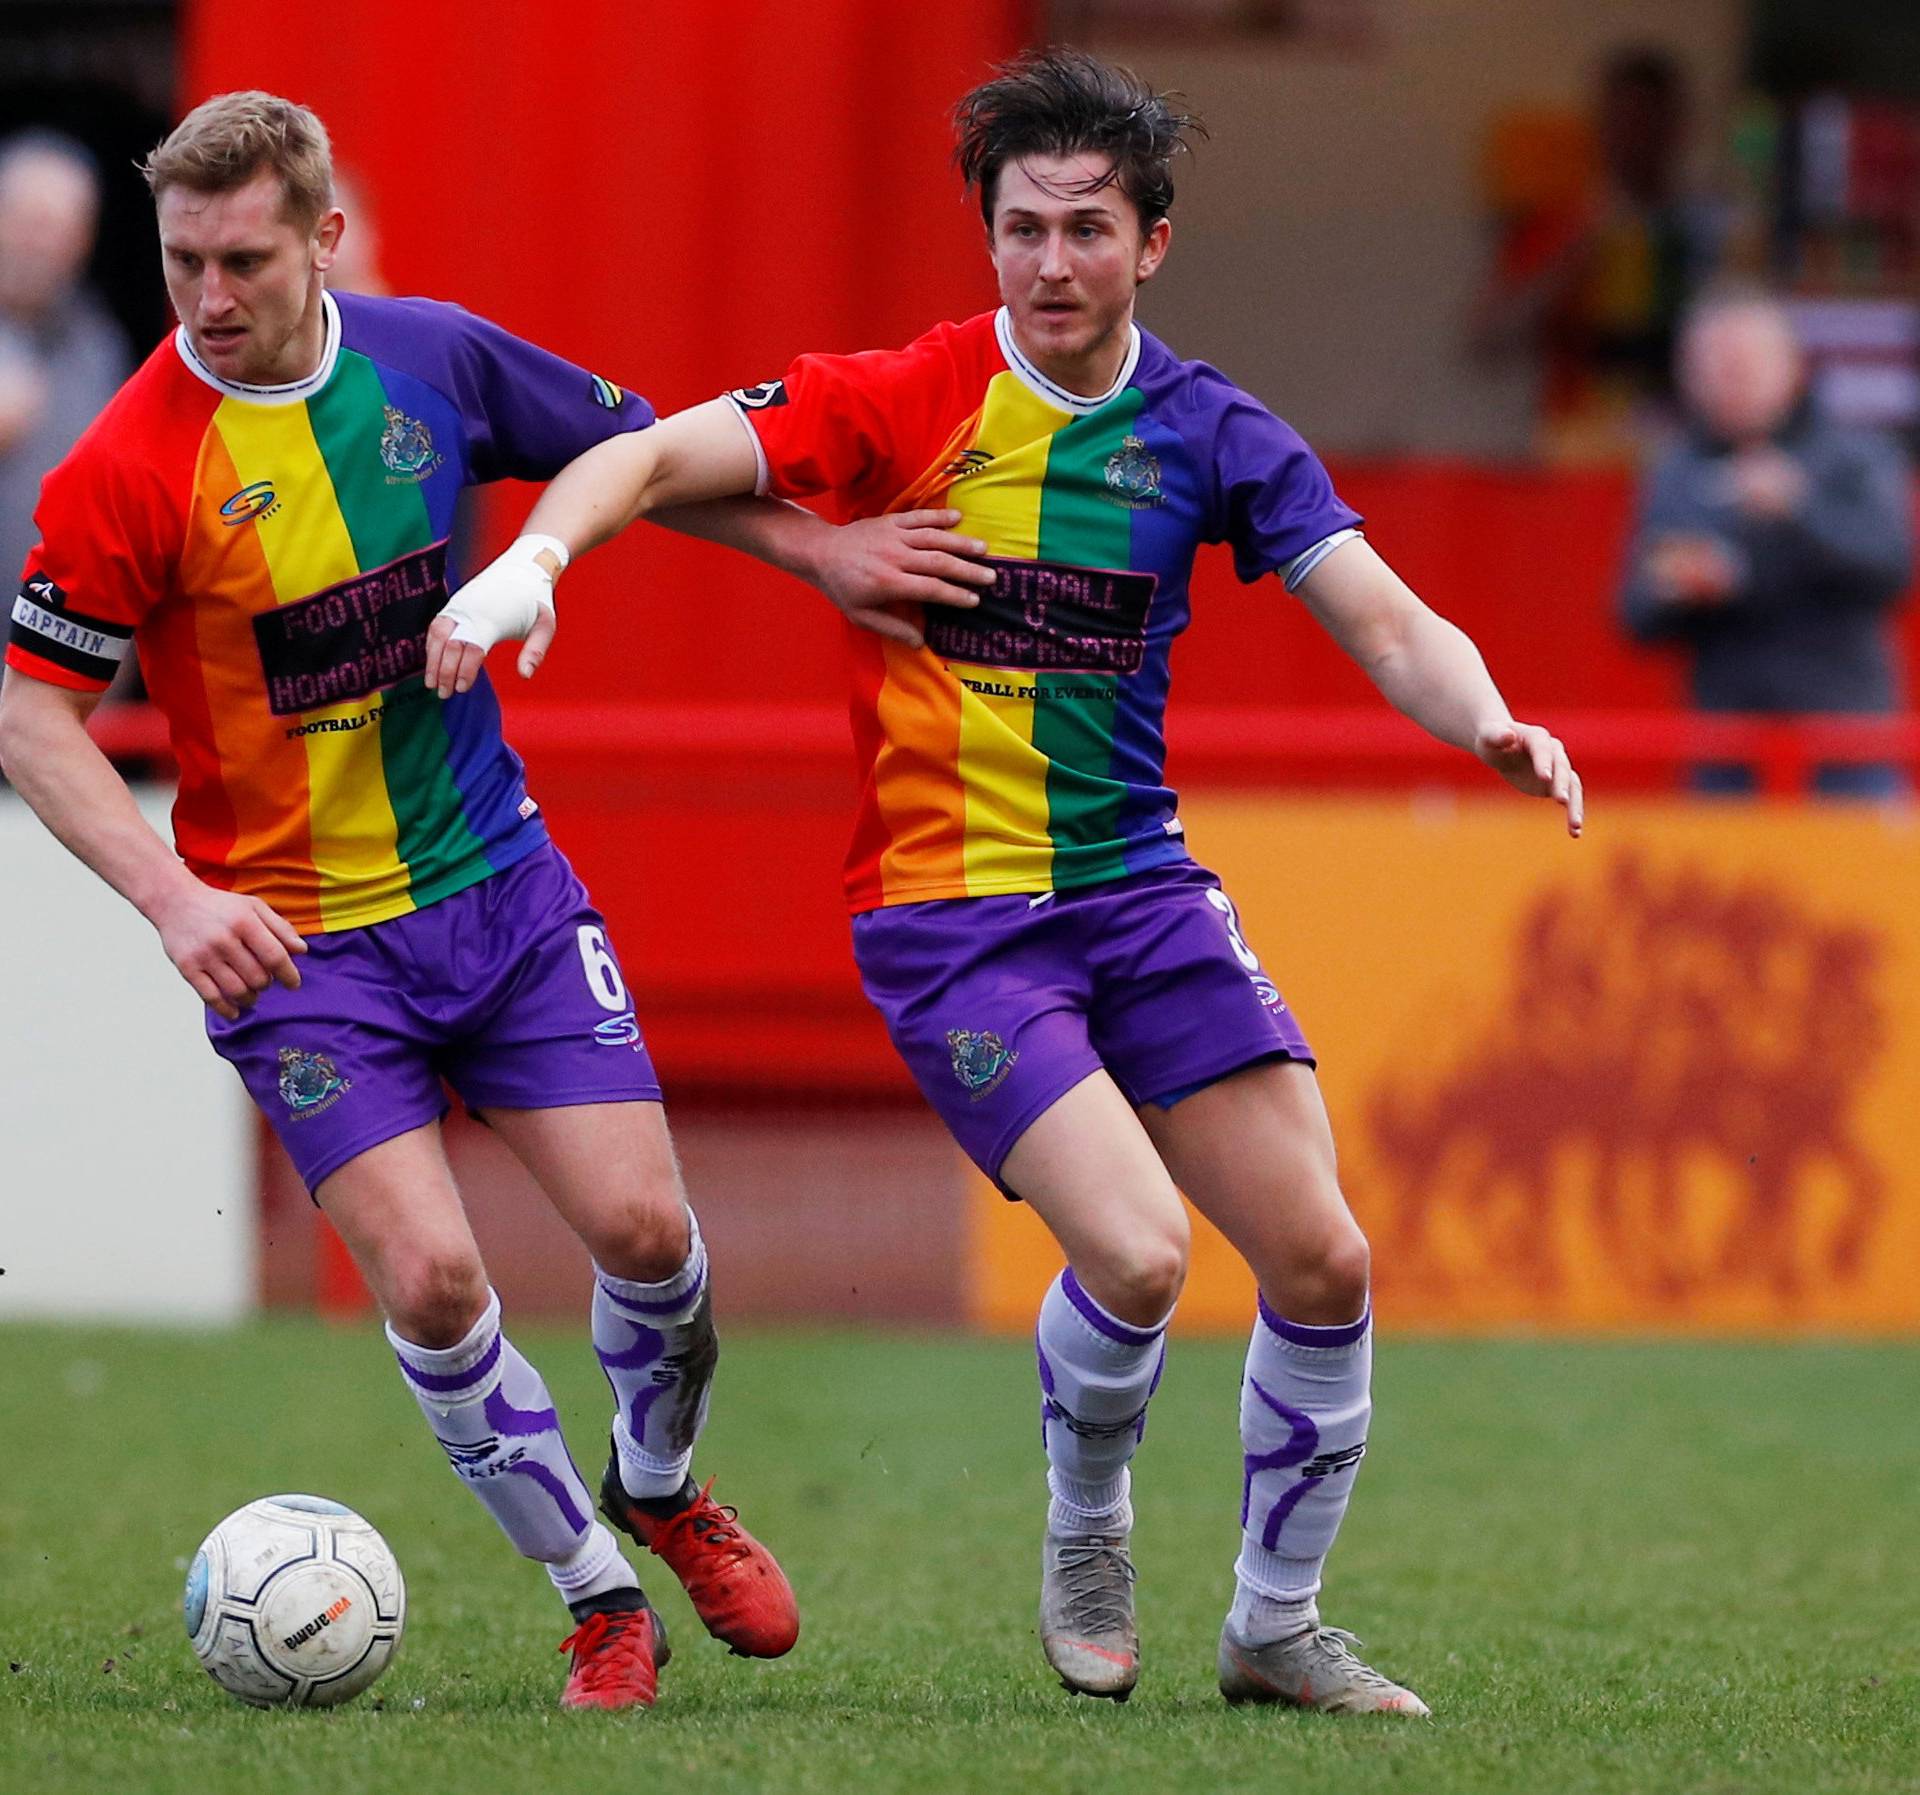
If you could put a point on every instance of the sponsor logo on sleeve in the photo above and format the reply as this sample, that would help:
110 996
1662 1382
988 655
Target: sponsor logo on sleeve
759 398
605 393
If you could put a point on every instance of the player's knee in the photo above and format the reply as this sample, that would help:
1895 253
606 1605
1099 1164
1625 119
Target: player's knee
1327 1284
435 1296
644 1240
1142 1279
1346 1270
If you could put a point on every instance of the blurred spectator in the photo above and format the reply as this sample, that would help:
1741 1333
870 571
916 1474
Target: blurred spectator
1600 247
1771 543
61 356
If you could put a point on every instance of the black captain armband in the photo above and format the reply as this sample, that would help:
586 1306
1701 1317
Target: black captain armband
47 628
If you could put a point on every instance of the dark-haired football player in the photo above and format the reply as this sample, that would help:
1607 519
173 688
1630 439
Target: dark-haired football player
1072 992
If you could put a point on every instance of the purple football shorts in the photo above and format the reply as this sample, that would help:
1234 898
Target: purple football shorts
1001 1005
508 990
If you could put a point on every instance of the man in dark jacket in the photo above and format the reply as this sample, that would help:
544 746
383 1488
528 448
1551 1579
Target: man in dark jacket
1772 544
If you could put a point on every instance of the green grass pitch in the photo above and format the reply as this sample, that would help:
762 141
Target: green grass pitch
1622 1567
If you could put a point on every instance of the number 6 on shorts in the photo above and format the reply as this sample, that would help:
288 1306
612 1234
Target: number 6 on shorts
602 970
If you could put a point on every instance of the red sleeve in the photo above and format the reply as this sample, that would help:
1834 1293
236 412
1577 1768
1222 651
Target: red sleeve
102 563
854 426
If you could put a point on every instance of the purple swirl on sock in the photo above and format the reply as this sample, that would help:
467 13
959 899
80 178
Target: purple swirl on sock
1303 1440
1048 1407
511 1423
563 1499
648 1347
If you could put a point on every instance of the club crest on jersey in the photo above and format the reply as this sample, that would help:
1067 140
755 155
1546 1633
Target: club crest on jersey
970 461
310 1082
250 502
406 449
1133 475
981 1061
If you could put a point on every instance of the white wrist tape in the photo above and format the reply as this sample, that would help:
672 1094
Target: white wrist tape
503 601
533 544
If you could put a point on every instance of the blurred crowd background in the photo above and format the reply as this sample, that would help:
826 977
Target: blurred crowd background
1605 312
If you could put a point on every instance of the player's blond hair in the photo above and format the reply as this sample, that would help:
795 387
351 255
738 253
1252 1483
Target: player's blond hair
227 140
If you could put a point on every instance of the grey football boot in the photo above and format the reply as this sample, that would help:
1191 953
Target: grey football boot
1086 1613
1315 1668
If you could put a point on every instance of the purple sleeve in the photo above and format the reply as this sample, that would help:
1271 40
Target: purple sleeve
528 413
1274 499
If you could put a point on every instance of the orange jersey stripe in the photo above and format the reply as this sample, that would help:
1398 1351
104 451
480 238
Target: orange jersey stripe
265 775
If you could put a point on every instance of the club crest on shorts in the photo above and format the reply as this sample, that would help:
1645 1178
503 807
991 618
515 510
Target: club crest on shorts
1133 475
981 1062
310 1082
406 448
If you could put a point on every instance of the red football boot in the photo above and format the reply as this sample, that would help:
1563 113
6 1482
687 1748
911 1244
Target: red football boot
618 1654
740 1594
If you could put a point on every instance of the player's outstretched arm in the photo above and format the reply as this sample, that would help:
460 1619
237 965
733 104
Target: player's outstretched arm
687 474
229 948
1432 672
699 454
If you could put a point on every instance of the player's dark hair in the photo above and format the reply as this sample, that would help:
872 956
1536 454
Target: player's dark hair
1067 103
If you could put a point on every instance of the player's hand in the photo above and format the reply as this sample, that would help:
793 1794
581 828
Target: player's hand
228 947
510 599
874 568
1531 760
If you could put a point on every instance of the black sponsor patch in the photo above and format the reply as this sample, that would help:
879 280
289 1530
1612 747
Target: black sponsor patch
354 638
44 624
1050 616
758 398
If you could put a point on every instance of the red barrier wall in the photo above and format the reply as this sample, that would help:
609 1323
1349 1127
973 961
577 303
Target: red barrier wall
684 198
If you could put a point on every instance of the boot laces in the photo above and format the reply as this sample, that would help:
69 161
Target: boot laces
1334 1647
603 1643
711 1523
1098 1580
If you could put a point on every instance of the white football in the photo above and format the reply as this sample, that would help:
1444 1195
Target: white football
294 1601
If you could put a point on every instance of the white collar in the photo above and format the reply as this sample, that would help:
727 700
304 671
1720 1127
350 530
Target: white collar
1051 390
289 394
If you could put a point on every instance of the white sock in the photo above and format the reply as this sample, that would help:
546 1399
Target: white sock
1096 1375
657 1346
490 1411
1304 1408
